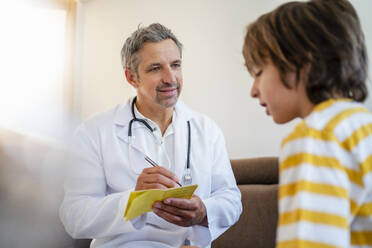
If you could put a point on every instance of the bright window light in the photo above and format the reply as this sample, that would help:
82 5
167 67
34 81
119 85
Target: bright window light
32 69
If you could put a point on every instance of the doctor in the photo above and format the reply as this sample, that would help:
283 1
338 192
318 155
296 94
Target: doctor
110 159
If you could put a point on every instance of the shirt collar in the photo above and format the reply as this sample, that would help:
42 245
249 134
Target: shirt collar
155 126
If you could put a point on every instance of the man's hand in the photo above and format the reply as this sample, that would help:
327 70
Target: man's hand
156 178
182 212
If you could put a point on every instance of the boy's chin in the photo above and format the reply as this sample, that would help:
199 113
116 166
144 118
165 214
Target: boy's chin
281 121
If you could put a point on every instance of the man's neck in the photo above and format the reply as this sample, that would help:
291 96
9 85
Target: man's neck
161 116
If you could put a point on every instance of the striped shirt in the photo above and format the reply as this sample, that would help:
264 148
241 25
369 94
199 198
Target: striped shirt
325 191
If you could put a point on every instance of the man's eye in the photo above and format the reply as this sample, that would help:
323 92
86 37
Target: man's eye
176 65
154 69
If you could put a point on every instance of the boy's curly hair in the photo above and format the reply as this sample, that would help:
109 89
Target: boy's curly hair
325 35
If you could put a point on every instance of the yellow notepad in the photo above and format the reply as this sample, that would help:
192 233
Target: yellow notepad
141 201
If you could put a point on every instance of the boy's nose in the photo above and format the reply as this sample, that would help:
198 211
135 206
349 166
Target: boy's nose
254 91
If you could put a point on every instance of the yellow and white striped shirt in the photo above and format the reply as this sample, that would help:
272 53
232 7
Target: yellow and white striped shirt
325 192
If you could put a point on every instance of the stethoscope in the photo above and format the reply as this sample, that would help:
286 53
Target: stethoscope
187 179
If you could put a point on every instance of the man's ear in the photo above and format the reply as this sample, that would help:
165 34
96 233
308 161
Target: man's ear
131 77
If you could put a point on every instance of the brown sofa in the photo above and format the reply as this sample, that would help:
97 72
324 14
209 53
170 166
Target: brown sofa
31 178
31 172
257 179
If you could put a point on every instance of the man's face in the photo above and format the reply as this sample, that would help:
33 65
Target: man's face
159 78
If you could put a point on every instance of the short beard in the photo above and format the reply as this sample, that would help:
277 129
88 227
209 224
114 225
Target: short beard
171 101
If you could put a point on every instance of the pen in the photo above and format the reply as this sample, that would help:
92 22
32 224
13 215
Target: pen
156 165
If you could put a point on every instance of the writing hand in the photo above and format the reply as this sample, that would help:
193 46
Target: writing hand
156 178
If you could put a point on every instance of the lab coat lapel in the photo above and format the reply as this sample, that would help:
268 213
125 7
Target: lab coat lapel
181 138
180 147
122 119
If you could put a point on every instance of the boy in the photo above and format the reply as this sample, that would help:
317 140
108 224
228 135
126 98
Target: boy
308 60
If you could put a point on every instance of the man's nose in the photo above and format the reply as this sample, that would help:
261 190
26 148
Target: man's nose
169 76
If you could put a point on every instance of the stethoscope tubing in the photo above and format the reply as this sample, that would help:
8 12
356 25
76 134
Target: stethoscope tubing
144 122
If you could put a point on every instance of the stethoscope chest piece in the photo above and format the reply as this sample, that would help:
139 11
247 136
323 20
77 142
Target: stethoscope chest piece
187 179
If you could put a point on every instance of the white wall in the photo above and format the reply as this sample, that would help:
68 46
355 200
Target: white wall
215 80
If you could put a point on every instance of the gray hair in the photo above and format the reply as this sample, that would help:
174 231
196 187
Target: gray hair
153 33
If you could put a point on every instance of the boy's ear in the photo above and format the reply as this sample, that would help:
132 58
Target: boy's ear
304 72
131 77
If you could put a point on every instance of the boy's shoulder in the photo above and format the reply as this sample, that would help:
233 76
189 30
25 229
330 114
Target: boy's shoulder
335 115
332 120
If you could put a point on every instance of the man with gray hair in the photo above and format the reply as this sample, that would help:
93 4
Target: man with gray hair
182 146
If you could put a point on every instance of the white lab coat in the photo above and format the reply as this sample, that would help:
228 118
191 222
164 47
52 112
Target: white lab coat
101 180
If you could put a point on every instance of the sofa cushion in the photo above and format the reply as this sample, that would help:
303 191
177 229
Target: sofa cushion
31 178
